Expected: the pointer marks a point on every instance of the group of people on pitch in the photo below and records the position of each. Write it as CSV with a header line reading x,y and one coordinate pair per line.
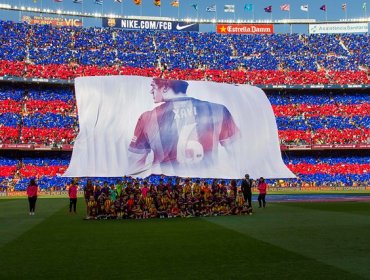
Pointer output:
x,y
135,200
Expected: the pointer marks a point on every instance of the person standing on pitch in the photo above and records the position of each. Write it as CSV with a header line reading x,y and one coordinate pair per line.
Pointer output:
x,y
88,193
72,193
32,195
262,188
246,188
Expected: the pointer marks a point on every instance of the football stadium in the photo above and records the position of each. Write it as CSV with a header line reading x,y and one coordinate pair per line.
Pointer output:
x,y
180,139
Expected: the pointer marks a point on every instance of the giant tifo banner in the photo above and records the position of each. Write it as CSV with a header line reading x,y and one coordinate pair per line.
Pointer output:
x,y
52,21
140,126
150,24
329,28
245,28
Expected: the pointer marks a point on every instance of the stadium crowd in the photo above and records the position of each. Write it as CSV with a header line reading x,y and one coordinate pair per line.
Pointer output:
x,y
37,115
322,118
47,114
43,51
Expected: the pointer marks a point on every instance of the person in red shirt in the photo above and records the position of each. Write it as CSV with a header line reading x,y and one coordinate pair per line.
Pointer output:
x,y
72,193
32,196
262,188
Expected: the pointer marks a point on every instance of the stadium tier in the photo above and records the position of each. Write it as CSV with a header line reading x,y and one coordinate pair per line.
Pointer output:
x,y
326,169
46,114
37,115
67,52
331,171
322,118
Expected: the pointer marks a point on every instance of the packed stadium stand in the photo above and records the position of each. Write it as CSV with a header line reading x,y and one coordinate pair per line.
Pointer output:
x,y
42,115
44,51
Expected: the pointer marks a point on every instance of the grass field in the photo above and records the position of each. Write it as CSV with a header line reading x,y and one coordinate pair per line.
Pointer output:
x,y
283,241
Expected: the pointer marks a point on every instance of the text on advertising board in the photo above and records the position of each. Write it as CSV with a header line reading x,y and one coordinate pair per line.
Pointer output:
x,y
52,21
135,24
245,28
326,28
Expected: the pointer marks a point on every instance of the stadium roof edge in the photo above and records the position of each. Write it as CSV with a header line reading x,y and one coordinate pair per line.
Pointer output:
x,y
202,21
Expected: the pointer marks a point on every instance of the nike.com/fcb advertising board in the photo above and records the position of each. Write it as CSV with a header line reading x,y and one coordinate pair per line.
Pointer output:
x,y
150,24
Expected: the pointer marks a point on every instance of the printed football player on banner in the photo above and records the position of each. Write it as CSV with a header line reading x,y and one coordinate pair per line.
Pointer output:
x,y
138,126
182,132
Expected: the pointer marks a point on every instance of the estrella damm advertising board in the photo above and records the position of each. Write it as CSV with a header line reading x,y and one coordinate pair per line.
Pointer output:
x,y
245,28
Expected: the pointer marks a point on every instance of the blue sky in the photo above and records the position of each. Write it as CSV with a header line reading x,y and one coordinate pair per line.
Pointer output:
x,y
127,7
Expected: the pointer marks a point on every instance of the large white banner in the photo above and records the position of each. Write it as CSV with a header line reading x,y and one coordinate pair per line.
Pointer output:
x,y
140,126
330,28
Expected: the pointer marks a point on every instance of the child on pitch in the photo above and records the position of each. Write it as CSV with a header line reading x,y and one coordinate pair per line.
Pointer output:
x,y
239,203
145,211
165,200
186,188
173,198
197,209
144,189
140,200
224,209
113,194
138,212
162,211
123,208
137,189
105,188
88,192
232,207
168,208
153,211
117,208
130,205
239,199
196,187
119,187
190,211
175,210
182,211
107,206
112,214
247,210
206,191
97,192
149,200
202,209
207,208
100,202
92,208
215,209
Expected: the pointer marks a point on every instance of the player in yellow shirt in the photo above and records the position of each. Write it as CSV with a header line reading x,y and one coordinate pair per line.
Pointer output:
x,y
91,206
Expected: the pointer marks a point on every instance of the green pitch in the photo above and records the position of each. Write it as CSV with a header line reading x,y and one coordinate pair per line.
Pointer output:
x,y
283,241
